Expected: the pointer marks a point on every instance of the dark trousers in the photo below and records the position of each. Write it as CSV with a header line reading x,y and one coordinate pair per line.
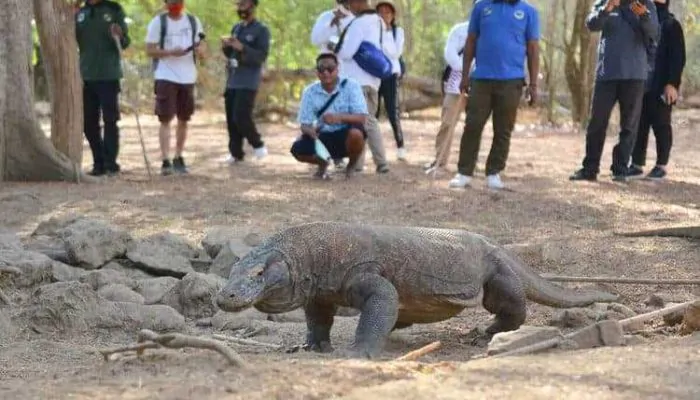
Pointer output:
x,y
656,115
239,105
389,92
486,96
628,93
102,97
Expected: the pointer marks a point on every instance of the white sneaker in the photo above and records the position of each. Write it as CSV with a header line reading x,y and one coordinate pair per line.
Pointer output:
x,y
460,181
494,182
228,160
401,153
260,152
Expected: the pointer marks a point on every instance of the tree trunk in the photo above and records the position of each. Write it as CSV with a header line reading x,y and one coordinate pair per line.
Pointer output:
x,y
26,154
54,20
579,61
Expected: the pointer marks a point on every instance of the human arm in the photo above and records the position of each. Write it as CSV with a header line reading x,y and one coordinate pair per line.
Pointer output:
x,y
323,30
307,115
400,41
152,46
676,56
600,13
470,46
357,106
120,29
532,36
388,42
351,41
453,45
255,56
648,20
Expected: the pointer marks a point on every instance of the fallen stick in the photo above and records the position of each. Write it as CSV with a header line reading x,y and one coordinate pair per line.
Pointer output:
x,y
603,279
641,318
412,355
544,345
176,341
248,342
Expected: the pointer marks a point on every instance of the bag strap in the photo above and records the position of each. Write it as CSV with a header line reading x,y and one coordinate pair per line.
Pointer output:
x,y
193,24
331,99
163,26
337,47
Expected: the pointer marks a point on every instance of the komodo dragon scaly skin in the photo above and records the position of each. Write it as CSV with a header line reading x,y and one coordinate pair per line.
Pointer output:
x,y
395,276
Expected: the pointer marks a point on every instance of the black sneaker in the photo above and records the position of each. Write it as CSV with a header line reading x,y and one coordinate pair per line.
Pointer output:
x,y
382,169
179,165
113,170
656,174
620,178
322,172
339,163
583,175
634,172
166,168
96,171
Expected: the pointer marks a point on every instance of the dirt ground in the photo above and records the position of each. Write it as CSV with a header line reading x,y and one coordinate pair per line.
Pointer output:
x,y
543,207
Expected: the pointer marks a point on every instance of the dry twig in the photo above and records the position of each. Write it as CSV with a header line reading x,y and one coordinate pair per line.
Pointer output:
x,y
248,342
412,355
148,339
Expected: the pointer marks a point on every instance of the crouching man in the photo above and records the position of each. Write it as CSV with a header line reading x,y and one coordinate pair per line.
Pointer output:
x,y
332,110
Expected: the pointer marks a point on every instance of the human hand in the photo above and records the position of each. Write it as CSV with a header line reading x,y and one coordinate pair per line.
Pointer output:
x,y
236,44
464,83
177,52
531,93
337,15
611,4
331,118
671,94
116,30
638,8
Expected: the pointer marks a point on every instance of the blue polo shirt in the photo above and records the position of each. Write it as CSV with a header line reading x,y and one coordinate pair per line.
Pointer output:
x,y
503,30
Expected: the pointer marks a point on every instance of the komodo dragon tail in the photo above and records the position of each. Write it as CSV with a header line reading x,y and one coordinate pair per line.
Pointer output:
x,y
542,291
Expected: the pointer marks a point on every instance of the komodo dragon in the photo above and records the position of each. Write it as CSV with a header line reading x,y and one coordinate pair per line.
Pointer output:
x,y
395,276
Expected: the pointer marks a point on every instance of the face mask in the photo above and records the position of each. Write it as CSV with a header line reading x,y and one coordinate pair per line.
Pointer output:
x,y
175,9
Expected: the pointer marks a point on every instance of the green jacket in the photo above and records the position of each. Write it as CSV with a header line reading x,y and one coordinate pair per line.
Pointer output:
x,y
99,55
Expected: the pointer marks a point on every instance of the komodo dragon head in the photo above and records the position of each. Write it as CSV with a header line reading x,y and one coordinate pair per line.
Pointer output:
x,y
262,279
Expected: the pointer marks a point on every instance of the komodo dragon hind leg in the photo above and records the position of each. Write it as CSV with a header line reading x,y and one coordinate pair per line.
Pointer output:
x,y
319,320
503,296
378,301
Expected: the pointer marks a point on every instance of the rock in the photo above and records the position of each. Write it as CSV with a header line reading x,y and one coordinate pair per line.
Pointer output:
x,y
691,319
603,333
575,317
249,318
51,246
621,309
103,277
162,254
194,295
153,289
121,293
73,307
215,238
229,254
35,268
253,239
524,336
7,328
631,340
92,243
673,318
661,299
655,300
127,270
54,224
9,241
61,272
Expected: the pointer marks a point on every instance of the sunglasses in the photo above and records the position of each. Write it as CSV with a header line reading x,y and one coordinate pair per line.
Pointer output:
x,y
325,68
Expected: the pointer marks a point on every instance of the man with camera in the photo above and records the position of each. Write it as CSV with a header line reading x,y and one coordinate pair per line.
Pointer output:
x,y
246,49
629,31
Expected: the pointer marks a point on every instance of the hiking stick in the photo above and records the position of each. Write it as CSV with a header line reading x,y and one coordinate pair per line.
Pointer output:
x,y
452,117
135,111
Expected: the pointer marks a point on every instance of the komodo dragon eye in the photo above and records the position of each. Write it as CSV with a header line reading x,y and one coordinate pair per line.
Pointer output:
x,y
257,271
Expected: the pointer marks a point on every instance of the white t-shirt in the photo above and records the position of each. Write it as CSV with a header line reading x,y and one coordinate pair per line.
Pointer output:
x,y
178,33
364,28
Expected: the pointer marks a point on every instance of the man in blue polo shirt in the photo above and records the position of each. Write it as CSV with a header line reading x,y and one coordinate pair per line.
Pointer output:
x,y
334,111
502,34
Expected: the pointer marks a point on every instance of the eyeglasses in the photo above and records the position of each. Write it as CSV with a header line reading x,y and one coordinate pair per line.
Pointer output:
x,y
325,68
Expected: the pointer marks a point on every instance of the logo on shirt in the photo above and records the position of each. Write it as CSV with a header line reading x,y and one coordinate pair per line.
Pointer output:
x,y
249,38
519,14
487,11
107,17
81,17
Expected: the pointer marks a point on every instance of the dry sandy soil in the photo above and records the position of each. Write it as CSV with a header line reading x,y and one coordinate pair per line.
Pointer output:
x,y
579,218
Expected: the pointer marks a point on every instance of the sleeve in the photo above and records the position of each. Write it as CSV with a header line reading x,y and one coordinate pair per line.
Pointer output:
x,y
227,50
358,104
676,43
400,41
388,43
256,56
125,40
474,18
452,47
532,31
351,41
153,31
322,29
649,23
597,17
306,115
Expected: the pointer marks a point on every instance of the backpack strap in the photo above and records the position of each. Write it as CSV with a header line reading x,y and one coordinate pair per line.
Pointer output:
x,y
163,27
331,99
193,24
342,35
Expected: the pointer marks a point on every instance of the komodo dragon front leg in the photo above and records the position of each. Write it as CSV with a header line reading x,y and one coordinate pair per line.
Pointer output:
x,y
504,296
319,320
378,301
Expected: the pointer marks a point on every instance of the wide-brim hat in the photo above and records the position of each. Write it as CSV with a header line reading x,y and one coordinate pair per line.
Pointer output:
x,y
386,3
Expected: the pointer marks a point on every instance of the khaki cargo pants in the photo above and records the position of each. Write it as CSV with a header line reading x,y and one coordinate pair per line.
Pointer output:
x,y
443,141
374,135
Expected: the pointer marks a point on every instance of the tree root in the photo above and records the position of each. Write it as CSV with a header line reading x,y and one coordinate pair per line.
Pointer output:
x,y
148,339
412,355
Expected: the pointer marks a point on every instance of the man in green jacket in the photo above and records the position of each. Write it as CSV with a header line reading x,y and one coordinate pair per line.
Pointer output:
x,y
98,22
